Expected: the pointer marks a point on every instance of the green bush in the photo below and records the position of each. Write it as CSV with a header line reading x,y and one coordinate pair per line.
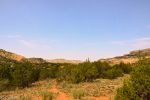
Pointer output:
x,y
47,95
4,83
24,98
5,72
47,71
113,73
83,72
88,71
126,68
44,74
138,86
22,75
35,74
101,68
79,93
64,73
76,75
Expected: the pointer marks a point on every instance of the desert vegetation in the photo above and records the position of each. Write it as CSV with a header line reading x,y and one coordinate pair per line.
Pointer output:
x,y
80,81
137,87
23,74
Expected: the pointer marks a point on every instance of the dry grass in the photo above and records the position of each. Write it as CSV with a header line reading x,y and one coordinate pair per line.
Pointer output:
x,y
46,95
79,93
32,92
100,87
84,91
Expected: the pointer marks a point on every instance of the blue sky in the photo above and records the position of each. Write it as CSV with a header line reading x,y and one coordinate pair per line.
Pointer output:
x,y
74,29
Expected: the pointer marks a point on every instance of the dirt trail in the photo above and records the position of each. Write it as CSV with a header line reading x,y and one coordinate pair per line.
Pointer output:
x,y
102,98
64,96
61,95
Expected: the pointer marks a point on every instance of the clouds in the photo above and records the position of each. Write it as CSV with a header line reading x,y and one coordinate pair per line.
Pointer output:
x,y
10,36
26,42
135,43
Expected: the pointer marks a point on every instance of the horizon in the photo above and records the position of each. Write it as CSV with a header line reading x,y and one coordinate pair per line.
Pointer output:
x,y
74,29
71,59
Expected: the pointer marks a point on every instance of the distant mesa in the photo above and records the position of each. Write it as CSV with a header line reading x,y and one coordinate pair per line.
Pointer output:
x,y
64,61
132,57
10,55
35,60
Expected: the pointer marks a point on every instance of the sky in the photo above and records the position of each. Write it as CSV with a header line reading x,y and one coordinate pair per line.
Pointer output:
x,y
74,29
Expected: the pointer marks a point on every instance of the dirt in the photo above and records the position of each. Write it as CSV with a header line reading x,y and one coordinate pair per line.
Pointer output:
x,y
61,95
64,96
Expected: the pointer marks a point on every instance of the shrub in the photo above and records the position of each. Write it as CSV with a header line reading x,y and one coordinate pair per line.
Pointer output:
x,y
91,72
35,74
46,95
101,68
79,93
138,86
4,83
83,72
22,75
113,73
126,68
44,73
5,72
24,98
88,71
64,73
77,75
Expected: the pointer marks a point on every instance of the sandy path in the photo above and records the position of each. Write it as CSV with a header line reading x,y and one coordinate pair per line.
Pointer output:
x,y
61,95
64,96
102,98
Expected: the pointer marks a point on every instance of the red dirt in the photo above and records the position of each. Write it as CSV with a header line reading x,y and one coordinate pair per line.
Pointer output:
x,y
61,95
102,98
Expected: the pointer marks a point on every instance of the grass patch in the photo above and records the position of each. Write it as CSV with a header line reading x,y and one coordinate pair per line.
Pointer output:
x,y
25,98
47,95
97,88
97,91
79,93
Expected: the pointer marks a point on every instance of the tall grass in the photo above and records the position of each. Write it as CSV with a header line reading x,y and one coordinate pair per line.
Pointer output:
x,y
47,95
79,93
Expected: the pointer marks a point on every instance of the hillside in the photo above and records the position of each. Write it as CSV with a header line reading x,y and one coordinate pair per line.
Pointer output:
x,y
132,57
35,60
144,52
64,61
10,55
7,56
